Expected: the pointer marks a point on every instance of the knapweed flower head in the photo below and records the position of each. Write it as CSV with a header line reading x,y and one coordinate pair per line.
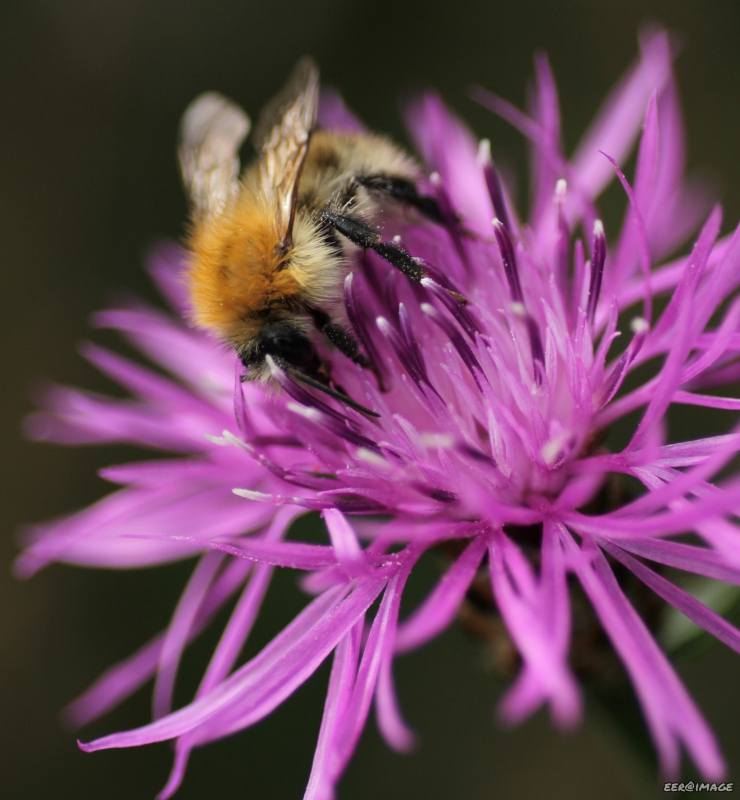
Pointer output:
x,y
489,443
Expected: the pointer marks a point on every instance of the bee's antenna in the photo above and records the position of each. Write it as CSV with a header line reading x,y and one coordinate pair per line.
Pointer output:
x,y
303,378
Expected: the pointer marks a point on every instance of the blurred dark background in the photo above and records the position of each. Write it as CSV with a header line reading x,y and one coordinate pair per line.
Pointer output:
x,y
91,92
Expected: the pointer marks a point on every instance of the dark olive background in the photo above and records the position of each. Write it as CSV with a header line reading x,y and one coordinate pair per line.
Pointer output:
x,y
90,96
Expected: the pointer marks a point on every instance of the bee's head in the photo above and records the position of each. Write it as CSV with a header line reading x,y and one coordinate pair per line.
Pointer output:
x,y
285,344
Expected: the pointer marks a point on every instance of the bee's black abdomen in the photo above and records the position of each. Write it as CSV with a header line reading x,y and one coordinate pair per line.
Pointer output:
x,y
287,344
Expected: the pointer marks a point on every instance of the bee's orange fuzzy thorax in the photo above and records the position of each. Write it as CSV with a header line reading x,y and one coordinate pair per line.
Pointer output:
x,y
237,271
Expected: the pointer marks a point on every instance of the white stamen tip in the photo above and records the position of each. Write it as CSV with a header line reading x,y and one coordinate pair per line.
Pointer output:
x,y
484,151
397,239
250,495
598,228
639,325
369,457
383,325
551,450
561,189
304,411
444,441
518,309
270,361
219,440
435,179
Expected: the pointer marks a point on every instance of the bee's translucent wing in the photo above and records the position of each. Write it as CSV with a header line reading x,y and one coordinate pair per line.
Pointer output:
x,y
282,135
211,133
299,95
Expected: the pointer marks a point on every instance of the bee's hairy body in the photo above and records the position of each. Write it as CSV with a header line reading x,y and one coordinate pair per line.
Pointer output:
x,y
268,249
242,278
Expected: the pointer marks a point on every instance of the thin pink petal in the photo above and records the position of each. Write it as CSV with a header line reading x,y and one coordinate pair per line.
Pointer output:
x,y
618,123
123,679
439,609
697,612
672,716
341,683
178,632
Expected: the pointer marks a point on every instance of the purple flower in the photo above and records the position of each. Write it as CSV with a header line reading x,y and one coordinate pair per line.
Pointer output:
x,y
487,443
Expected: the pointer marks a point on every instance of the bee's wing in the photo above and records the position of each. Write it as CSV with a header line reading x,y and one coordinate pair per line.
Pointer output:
x,y
211,133
281,137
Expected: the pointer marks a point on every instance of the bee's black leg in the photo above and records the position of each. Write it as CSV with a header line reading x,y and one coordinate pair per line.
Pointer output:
x,y
365,236
404,191
341,338
344,341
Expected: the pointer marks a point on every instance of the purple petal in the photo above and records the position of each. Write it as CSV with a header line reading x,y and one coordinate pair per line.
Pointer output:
x,y
546,112
618,123
642,244
450,149
440,608
77,417
293,555
391,724
378,648
333,114
166,265
698,560
708,401
341,683
128,528
230,645
345,543
151,387
671,715
697,612
521,609
692,274
192,357
123,679
494,185
178,632
298,651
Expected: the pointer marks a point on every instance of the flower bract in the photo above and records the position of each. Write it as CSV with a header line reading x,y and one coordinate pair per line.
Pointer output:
x,y
490,445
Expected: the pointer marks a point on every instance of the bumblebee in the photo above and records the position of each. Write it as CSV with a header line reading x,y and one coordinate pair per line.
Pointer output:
x,y
268,248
